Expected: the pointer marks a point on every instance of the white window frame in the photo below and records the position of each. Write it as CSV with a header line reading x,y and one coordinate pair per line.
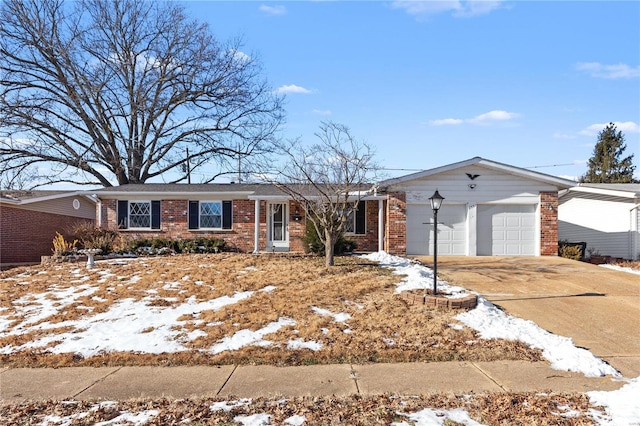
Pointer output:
x,y
200,203
148,202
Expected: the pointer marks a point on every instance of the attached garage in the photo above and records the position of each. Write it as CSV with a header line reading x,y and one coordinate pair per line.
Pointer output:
x,y
489,209
452,229
506,230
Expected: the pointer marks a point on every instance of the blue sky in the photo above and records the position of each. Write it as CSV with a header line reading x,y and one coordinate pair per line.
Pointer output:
x,y
528,83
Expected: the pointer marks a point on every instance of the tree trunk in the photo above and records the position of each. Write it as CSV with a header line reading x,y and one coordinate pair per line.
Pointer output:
x,y
330,242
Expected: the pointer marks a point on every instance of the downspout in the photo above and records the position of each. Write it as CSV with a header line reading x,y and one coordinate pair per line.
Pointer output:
x,y
380,225
98,213
256,228
634,242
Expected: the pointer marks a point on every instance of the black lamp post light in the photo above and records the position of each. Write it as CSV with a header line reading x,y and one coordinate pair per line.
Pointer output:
x,y
436,202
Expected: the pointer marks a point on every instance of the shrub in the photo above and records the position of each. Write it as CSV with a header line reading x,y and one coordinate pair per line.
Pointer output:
x,y
313,244
96,238
144,246
62,247
573,251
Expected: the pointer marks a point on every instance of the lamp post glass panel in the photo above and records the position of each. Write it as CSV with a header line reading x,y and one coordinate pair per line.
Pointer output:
x,y
436,202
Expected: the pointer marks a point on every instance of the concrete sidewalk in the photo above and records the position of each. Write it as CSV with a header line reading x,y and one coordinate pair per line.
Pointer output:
x,y
120,383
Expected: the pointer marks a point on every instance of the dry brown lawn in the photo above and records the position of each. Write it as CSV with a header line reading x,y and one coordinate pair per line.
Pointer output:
x,y
488,409
382,328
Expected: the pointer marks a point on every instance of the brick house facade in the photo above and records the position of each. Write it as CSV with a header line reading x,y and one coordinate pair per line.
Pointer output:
x,y
174,211
489,209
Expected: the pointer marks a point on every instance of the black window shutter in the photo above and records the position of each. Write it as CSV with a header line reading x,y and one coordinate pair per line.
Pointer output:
x,y
361,217
194,214
123,214
155,215
227,215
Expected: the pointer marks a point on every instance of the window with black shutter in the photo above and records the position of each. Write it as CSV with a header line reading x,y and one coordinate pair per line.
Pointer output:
x,y
210,214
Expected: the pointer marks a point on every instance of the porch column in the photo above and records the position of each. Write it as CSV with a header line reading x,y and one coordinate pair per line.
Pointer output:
x,y
256,231
380,225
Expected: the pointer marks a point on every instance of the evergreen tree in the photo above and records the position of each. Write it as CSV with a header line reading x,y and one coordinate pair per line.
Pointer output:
x,y
607,165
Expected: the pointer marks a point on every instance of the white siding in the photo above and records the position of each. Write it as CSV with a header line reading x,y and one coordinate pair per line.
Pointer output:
x,y
491,186
605,223
63,206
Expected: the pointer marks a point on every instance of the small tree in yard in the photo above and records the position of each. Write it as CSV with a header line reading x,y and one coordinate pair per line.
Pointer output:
x,y
328,179
607,164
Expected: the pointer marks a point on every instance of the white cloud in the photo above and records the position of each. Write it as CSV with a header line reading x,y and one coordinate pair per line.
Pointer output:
x,y
240,56
425,8
624,127
446,122
273,10
487,118
492,117
292,88
322,111
614,71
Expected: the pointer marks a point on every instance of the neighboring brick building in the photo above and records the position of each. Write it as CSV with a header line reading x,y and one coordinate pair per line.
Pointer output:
x,y
29,221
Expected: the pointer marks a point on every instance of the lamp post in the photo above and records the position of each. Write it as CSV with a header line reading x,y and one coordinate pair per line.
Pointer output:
x,y
436,203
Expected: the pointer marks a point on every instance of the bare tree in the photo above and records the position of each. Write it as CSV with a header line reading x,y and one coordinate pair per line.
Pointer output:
x,y
97,92
328,179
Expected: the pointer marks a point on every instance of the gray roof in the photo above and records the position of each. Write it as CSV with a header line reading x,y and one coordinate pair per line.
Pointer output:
x,y
24,197
146,188
516,171
20,195
632,189
248,189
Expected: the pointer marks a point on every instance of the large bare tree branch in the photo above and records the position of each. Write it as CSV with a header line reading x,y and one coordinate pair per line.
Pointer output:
x,y
119,89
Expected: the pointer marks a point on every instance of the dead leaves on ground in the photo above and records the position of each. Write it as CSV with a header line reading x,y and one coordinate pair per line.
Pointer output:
x,y
489,409
381,327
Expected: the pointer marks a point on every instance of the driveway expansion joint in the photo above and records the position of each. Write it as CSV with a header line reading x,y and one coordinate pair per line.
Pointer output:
x,y
101,379
235,367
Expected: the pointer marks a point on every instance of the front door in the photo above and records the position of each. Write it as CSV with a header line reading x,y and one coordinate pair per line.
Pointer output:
x,y
278,227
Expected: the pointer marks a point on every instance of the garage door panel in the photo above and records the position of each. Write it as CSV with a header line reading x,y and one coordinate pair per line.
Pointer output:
x,y
506,230
452,231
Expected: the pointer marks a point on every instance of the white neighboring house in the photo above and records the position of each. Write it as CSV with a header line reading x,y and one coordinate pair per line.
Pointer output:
x,y
605,216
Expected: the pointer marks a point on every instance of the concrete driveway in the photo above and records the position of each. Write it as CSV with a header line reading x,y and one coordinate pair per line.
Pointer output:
x,y
598,307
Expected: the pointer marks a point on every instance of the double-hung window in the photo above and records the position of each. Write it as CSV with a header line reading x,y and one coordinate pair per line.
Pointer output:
x,y
138,214
210,214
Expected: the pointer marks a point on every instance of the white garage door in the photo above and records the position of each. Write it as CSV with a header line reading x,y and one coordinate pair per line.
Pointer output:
x,y
506,230
452,229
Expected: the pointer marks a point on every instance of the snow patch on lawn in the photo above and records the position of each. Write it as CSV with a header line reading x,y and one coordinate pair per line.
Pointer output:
x,y
418,277
429,417
492,323
244,338
301,344
621,268
341,317
128,325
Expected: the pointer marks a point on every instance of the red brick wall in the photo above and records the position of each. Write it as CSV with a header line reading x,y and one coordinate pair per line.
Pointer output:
x,y
548,223
174,225
25,235
368,241
396,230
